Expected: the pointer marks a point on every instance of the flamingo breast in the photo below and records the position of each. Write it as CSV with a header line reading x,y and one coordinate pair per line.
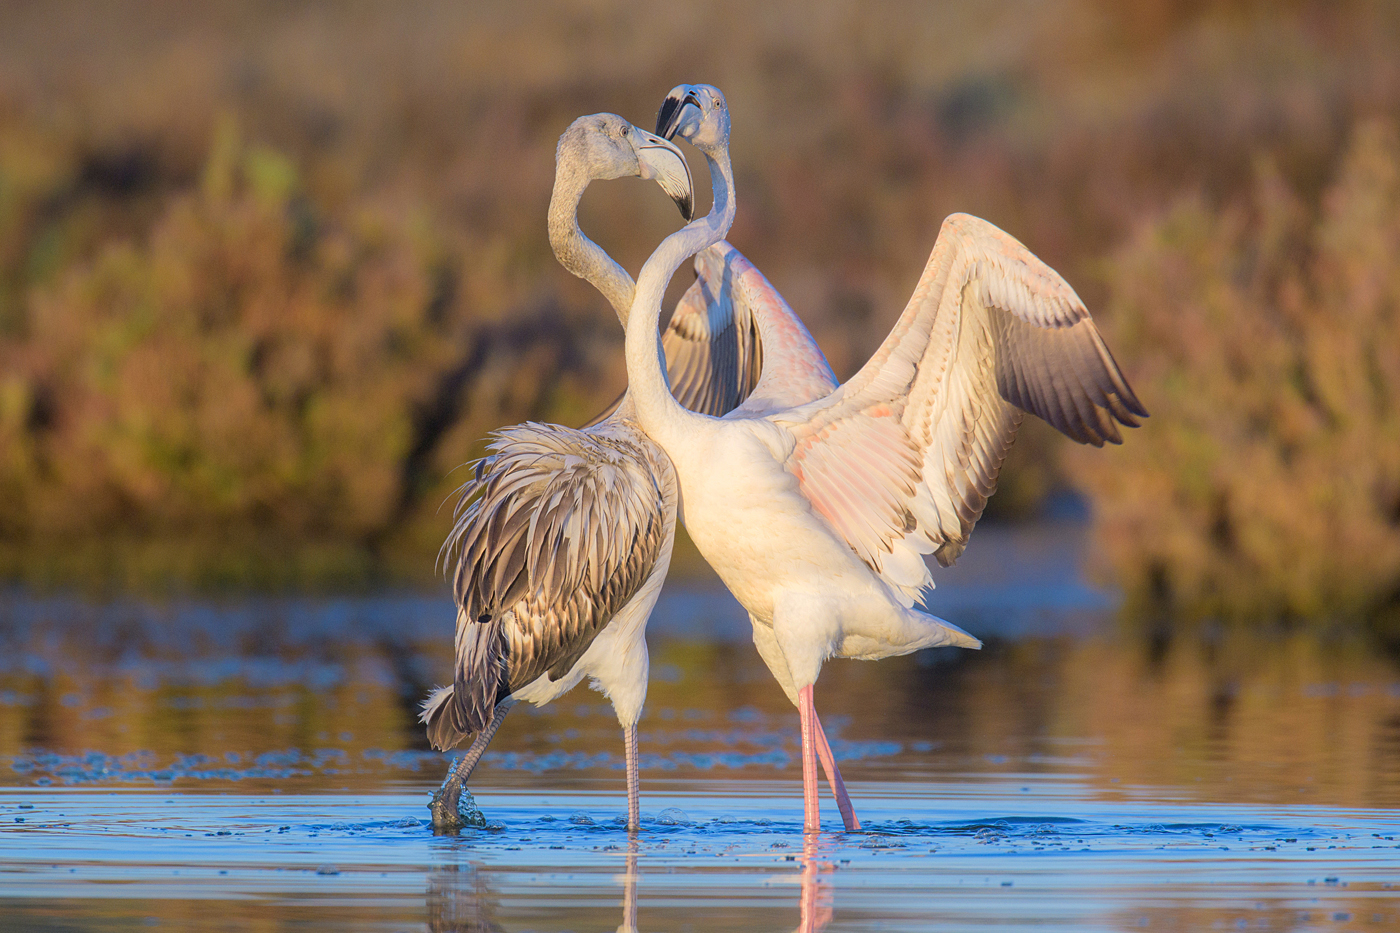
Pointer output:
x,y
750,521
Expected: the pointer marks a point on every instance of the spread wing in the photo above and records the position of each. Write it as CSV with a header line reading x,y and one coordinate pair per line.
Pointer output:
x,y
556,531
713,351
714,354
792,369
900,460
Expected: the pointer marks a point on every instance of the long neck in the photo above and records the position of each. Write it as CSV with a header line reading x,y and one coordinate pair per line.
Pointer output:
x,y
658,412
578,253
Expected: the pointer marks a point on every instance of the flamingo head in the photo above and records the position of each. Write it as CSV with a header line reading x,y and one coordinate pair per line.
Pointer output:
x,y
605,146
696,113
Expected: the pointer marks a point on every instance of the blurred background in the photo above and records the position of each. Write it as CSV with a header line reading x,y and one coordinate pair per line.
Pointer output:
x,y
269,271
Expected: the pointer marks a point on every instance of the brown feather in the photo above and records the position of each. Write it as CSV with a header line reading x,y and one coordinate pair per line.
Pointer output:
x,y
534,581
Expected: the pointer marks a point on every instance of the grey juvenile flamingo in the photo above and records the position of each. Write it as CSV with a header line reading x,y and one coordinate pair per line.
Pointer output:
x,y
561,546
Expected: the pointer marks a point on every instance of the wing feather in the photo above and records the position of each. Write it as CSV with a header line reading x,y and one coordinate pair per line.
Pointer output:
x,y
716,359
712,346
557,530
990,332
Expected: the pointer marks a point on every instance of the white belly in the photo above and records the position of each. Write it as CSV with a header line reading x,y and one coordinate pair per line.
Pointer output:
x,y
749,520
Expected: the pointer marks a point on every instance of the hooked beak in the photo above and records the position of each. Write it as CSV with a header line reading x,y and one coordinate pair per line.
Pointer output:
x,y
673,110
663,163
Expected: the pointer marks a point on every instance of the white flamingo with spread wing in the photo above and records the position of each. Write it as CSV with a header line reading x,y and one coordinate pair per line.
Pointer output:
x,y
818,516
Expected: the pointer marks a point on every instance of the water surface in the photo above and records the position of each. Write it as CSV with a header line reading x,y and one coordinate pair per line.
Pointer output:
x,y
254,764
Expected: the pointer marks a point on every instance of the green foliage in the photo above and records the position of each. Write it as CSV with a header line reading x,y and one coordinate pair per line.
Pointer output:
x,y
1265,338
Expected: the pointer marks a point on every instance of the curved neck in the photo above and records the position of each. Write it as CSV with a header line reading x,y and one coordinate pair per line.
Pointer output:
x,y
658,412
575,251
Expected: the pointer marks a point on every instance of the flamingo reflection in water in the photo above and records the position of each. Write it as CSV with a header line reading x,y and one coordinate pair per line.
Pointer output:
x,y
814,906
459,901
814,899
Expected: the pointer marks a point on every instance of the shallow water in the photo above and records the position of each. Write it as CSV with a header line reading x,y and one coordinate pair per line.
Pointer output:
x,y
253,764
718,855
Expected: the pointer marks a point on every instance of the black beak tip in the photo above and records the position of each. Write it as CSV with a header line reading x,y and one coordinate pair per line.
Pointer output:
x,y
666,117
687,206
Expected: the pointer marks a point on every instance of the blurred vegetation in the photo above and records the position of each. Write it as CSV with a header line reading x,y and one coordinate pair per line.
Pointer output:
x,y
1269,335
269,271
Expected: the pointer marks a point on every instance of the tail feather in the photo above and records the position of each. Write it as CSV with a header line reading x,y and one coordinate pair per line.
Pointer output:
x,y
440,716
941,632
453,713
480,679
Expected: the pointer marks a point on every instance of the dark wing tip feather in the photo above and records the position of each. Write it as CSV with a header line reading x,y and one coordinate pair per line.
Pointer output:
x,y
480,672
1066,377
1126,396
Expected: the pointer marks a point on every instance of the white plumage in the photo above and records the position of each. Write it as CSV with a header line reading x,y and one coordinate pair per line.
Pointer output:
x,y
817,516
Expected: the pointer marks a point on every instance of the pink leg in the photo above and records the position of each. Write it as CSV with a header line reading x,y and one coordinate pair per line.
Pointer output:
x,y
833,777
811,818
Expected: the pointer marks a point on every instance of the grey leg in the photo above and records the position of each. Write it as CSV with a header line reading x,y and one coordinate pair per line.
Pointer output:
x,y
634,779
446,817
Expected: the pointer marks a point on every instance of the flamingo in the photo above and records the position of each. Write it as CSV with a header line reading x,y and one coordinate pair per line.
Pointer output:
x,y
563,536
817,516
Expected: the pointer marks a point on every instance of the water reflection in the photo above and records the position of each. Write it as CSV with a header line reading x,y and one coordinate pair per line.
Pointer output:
x,y
629,889
459,900
814,904
168,700
1179,784
980,855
